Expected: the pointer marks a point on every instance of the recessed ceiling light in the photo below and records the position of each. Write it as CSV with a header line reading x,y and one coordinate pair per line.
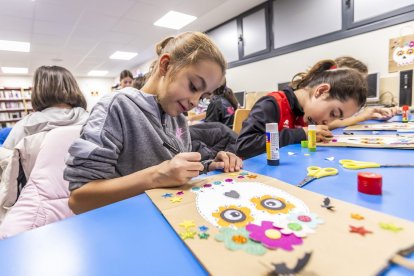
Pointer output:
x,y
123,55
15,46
14,70
97,73
175,20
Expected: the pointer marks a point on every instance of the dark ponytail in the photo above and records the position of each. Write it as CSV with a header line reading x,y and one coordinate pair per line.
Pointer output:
x,y
345,83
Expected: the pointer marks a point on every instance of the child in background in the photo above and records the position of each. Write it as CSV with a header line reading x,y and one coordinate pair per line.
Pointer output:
x,y
56,100
321,95
125,79
367,113
222,106
139,140
139,82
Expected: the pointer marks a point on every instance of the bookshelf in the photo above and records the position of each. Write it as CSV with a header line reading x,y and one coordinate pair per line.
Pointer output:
x,y
15,103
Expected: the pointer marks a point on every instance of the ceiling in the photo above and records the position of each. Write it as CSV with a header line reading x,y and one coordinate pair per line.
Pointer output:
x,y
80,35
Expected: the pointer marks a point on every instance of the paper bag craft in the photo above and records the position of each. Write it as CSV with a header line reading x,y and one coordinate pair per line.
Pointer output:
x,y
400,55
382,126
249,224
405,141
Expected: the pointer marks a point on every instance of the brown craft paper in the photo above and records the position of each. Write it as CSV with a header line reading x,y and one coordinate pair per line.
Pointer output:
x,y
335,251
382,126
336,142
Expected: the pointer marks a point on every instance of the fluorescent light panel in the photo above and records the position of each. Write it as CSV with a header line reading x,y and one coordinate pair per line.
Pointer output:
x,y
14,70
123,55
97,73
15,46
175,20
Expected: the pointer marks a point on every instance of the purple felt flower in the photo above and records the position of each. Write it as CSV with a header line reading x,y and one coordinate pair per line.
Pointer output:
x,y
271,237
411,44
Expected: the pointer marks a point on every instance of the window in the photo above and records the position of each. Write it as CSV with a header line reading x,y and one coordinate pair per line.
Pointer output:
x,y
226,37
299,20
254,33
278,27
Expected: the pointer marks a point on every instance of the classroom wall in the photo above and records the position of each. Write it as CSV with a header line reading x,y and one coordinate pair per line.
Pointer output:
x,y
371,48
87,86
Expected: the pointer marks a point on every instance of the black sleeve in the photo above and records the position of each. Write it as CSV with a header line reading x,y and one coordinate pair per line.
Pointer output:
x,y
214,112
252,139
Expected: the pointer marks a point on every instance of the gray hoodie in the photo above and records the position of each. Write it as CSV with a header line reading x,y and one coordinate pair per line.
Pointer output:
x,y
124,134
45,120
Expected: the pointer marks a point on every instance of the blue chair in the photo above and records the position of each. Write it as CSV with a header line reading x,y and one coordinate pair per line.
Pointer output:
x,y
4,132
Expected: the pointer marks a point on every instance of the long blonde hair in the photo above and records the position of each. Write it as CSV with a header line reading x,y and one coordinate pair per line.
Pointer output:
x,y
188,49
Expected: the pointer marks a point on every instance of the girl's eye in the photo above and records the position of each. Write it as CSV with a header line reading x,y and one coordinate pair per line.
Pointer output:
x,y
192,87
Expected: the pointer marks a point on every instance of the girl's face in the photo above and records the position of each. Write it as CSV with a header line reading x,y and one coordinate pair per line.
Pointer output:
x,y
126,82
320,110
182,91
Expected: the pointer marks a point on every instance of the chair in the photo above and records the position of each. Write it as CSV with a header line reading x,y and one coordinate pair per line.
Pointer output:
x,y
239,116
253,97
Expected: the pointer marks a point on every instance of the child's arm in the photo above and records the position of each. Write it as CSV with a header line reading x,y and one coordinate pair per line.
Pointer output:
x,y
369,113
252,139
98,193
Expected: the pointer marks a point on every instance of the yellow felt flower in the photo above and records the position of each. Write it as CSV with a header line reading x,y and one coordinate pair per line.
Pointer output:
x,y
272,205
233,215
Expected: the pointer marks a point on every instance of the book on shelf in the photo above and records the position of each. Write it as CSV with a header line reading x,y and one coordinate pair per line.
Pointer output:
x,y
15,103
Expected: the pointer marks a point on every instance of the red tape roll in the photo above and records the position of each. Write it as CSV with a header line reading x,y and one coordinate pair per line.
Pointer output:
x,y
370,183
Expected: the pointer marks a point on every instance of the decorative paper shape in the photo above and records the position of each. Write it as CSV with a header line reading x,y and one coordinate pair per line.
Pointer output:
x,y
359,230
282,269
232,194
390,227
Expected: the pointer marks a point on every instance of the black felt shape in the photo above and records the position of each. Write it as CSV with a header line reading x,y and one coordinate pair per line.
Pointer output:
x,y
327,204
282,269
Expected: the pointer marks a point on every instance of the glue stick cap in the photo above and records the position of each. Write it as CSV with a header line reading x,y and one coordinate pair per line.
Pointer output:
x,y
405,107
311,127
272,127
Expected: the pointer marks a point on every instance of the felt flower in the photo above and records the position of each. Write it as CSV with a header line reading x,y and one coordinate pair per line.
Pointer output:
x,y
233,215
271,237
272,205
238,239
300,224
310,220
411,44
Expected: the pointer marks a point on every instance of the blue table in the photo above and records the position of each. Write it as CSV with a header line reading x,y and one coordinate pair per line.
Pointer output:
x,y
133,238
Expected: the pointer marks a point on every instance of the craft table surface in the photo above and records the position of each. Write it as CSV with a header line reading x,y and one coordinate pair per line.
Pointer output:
x,y
133,238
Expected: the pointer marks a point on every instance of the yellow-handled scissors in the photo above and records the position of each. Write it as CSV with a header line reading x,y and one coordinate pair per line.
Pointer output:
x,y
355,165
317,172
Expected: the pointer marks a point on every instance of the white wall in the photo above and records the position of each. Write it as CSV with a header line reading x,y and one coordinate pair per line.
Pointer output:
x,y
371,48
87,85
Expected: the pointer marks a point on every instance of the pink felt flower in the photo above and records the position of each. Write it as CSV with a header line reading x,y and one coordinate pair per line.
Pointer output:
x,y
411,44
271,237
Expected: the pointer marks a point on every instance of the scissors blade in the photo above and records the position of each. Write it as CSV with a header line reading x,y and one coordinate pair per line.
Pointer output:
x,y
397,165
305,181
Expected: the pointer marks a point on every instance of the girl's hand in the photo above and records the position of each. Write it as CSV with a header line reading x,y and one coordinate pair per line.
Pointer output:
x,y
179,170
323,134
226,161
